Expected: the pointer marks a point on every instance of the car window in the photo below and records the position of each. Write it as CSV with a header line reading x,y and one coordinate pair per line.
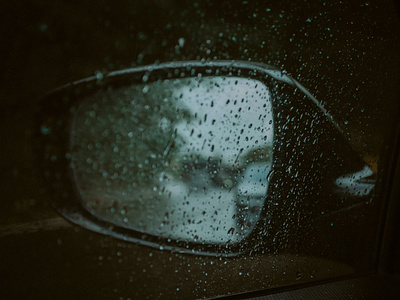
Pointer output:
x,y
306,203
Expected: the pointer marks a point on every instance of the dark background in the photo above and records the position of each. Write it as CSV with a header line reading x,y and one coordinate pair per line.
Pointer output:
x,y
346,54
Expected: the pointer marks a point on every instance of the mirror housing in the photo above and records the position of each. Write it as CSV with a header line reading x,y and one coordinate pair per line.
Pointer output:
x,y
310,156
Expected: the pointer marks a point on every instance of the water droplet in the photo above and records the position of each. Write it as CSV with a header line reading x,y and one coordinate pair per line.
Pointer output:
x,y
45,130
145,89
298,275
181,42
99,75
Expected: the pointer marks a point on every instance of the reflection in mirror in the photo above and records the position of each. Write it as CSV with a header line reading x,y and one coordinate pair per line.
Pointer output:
x,y
185,159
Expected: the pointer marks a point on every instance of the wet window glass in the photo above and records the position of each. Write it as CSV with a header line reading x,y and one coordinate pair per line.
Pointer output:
x,y
195,149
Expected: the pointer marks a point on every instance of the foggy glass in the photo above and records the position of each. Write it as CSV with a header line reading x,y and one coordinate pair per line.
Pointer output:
x,y
186,159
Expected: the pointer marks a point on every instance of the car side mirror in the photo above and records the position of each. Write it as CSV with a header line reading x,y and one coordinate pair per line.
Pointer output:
x,y
191,157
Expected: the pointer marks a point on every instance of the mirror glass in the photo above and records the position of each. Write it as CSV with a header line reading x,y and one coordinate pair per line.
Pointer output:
x,y
187,159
